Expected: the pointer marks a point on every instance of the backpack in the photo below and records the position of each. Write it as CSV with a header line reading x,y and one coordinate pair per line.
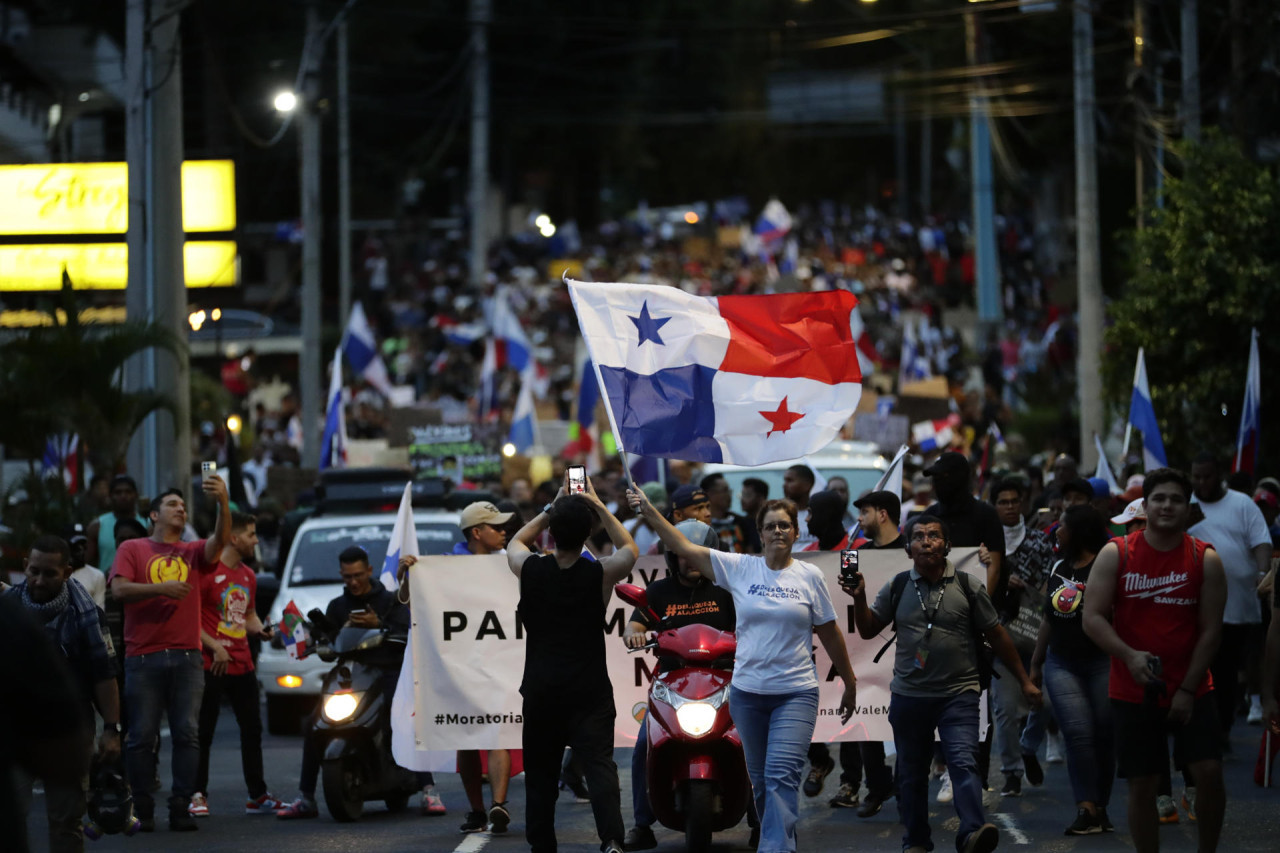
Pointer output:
x,y
986,654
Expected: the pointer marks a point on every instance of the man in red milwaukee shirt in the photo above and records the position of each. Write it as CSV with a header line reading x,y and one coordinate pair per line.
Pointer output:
x,y
228,596
1155,605
158,581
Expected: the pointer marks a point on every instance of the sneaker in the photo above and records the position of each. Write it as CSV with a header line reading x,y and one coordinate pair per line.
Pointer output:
x,y
1084,824
817,775
266,804
199,805
984,839
300,808
1104,821
1031,766
872,804
1012,785
499,817
1189,802
845,798
1167,809
181,821
1255,712
1054,752
612,847
476,822
639,838
432,805
945,794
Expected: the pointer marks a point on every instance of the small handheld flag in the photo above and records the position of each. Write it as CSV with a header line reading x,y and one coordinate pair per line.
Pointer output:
x,y
293,630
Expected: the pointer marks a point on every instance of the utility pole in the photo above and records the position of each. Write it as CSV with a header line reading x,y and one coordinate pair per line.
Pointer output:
x,y
479,194
1139,87
1088,264
990,305
311,403
1190,72
160,453
344,179
926,147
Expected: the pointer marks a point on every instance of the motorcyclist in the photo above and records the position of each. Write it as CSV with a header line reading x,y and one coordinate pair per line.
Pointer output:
x,y
682,598
364,603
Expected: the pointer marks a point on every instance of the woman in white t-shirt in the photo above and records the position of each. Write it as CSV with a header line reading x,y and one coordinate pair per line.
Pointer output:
x,y
780,604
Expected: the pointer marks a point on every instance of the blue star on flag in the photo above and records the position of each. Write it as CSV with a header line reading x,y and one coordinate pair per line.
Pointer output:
x,y
647,327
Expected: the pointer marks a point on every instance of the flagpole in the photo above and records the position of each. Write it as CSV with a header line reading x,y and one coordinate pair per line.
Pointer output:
x,y
613,424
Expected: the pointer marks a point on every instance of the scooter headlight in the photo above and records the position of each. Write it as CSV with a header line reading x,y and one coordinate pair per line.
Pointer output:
x,y
696,718
340,706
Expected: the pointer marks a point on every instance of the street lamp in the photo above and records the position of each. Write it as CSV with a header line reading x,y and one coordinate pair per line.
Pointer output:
x,y
285,102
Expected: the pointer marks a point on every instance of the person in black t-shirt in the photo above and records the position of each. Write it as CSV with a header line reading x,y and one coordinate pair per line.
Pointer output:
x,y
682,598
568,699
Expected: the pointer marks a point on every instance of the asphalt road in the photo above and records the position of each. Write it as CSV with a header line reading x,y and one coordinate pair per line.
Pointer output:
x,y
1034,821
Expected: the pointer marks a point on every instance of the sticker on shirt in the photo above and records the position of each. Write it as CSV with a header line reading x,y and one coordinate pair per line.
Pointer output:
x,y
233,606
167,567
766,590
1065,600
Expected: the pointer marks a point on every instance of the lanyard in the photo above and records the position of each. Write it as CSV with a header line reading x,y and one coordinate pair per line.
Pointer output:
x,y
929,617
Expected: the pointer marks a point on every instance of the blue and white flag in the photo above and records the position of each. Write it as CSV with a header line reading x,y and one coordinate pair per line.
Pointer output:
x,y
1142,417
404,539
489,379
774,222
1103,468
1249,437
507,329
361,350
523,427
333,447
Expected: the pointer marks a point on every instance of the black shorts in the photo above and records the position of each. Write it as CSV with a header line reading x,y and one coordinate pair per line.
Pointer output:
x,y
1142,737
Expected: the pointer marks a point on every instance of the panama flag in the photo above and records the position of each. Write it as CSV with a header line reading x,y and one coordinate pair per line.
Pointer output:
x,y
868,358
1250,414
1142,417
934,435
333,446
774,222
509,332
361,350
737,379
404,539
293,630
522,419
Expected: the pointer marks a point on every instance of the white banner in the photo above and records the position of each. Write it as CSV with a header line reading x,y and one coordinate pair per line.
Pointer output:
x,y
468,652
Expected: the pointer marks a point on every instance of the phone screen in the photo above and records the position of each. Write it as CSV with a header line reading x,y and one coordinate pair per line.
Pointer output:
x,y
849,562
577,479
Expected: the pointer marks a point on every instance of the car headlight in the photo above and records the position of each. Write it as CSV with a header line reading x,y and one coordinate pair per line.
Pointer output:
x,y
340,706
696,718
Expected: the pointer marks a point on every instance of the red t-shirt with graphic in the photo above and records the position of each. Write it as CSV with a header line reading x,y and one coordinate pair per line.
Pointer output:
x,y
227,596
159,623
1157,610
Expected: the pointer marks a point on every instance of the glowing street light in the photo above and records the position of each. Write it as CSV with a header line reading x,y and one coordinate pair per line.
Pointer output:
x,y
691,217
508,449
285,102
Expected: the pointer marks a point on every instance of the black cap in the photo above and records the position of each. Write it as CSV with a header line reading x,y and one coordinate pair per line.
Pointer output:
x,y
949,463
1081,485
887,501
687,496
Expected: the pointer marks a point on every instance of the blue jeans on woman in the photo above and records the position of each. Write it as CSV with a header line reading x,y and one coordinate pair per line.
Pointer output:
x,y
1078,691
776,730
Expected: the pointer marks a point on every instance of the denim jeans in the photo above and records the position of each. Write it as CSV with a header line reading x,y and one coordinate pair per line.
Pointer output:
x,y
1078,690
956,718
776,730
640,778
1012,737
169,682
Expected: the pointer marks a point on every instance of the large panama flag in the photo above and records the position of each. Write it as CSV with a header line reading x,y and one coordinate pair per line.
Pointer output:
x,y
737,379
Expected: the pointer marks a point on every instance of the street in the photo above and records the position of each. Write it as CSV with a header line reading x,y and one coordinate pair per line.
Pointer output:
x,y
1035,821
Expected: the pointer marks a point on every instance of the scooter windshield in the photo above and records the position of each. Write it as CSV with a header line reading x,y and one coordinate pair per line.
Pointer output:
x,y
352,639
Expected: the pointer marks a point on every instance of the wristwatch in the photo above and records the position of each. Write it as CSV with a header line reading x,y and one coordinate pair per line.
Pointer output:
x,y
546,510
113,727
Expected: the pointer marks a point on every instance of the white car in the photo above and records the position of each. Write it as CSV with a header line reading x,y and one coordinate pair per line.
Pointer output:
x,y
859,462
310,580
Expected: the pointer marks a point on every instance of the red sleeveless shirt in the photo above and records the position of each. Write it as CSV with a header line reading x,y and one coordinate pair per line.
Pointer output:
x,y
1157,610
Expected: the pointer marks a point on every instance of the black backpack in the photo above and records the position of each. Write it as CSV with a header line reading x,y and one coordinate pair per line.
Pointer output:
x,y
986,654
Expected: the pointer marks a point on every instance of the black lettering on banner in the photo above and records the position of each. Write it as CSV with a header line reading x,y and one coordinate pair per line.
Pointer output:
x,y
616,622
644,675
490,625
454,621
831,673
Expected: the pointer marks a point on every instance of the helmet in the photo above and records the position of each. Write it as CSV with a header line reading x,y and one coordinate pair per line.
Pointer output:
x,y
110,803
696,532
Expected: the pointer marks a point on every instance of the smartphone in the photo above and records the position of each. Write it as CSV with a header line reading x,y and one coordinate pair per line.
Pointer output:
x,y
849,567
208,469
577,479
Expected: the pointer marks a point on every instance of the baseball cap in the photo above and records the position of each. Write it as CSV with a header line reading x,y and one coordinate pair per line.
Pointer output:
x,y
1262,496
655,492
482,512
949,463
687,496
1100,487
887,501
1132,512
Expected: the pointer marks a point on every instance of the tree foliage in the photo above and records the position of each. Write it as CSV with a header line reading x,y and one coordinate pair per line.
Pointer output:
x,y
1206,270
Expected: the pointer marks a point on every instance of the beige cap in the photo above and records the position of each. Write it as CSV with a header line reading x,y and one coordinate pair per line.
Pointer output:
x,y
1132,512
483,512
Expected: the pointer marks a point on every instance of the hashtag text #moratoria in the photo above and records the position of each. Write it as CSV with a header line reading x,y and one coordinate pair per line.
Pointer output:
x,y
477,719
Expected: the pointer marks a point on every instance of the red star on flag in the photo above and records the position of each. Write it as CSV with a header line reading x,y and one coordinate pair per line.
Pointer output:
x,y
781,419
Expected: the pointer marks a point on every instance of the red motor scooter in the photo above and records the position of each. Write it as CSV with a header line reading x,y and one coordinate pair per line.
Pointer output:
x,y
697,774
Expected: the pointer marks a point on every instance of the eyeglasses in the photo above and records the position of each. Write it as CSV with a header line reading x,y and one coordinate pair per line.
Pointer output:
x,y
782,526
927,535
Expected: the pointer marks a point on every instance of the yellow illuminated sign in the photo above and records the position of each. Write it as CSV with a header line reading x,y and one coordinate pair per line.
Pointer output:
x,y
27,318
105,266
93,198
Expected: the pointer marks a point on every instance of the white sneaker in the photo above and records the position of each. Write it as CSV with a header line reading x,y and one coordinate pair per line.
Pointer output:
x,y
945,794
199,806
1054,751
1255,711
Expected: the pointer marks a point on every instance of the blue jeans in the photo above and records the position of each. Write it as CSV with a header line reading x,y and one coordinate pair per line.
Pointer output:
x,y
776,730
172,682
956,718
640,778
1078,690
1012,738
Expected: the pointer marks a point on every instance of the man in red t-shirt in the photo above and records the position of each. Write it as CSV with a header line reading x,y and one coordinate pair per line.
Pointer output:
x,y
1155,605
228,618
157,581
